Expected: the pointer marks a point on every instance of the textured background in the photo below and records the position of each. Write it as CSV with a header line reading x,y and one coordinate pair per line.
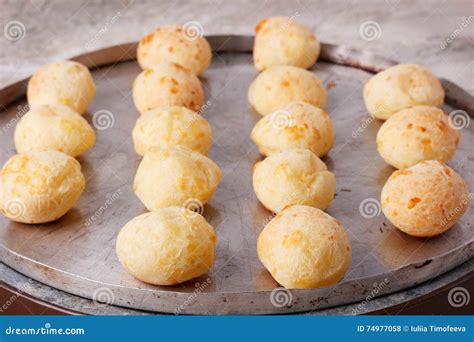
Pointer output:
x,y
439,34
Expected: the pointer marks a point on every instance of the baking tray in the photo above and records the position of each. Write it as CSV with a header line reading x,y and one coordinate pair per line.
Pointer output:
x,y
77,253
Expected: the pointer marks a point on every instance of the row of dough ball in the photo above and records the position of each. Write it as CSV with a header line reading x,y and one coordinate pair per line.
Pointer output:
x,y
172,243
302,247
58,95
425,197
407,95
172,57
43,181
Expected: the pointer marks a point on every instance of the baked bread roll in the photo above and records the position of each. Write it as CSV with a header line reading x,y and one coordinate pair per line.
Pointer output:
x,y
284,41
167,246
40,187
400,87
174,44
426,199
167,85
291,177
304,248
66,82
277,86
295,125
166,126
417,134
53,127
175,176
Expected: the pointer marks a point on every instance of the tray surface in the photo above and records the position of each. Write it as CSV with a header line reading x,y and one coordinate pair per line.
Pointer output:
x,y
77,252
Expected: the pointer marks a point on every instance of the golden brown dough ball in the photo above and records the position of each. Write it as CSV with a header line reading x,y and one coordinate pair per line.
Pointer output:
x,y
400,87
68,83
39,187
174,44
175,176
54,127
304,248
172,126
280,85
284,41
167,85
167,246
295,125
417,134
291,177
426,199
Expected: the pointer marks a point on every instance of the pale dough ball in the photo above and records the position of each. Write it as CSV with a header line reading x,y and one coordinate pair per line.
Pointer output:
x,y
303,248
417,134
426,199
292,177
39,187
296,125
400,87
284,41
68,83
174,44
167,246
175,176
280,85
166,126
53,127
167,85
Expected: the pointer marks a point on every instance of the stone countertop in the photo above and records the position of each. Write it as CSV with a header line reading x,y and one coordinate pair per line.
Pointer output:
x,y
438,34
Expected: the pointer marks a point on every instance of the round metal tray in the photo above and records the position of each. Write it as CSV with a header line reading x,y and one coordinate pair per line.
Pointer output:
x,y
77,253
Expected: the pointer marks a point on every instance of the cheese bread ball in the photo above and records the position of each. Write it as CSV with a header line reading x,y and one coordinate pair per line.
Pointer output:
x,y
295,125
304,248
294,176
426,199
284,41
167,246
280,85
174,44
417,134
39,187
166,85
166,126
68,83
400,87
174,176
53,127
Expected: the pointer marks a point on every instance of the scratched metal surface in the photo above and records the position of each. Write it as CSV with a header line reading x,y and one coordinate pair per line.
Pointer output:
x,y
76,254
